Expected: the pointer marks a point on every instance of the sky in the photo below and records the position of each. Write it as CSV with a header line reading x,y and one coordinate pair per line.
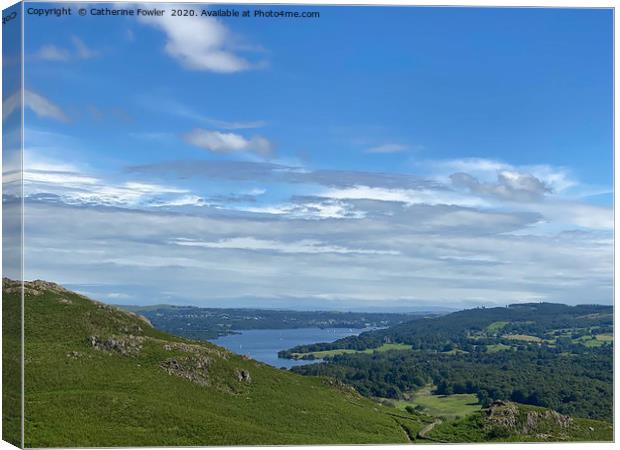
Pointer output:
x,y
373,158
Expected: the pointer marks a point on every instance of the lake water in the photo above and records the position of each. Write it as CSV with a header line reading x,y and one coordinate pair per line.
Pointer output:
x,y
264,345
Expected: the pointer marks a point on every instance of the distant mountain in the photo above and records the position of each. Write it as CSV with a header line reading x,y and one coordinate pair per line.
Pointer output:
x,y
207,323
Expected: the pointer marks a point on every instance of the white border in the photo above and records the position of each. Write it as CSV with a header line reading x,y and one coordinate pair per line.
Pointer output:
x,y
470,3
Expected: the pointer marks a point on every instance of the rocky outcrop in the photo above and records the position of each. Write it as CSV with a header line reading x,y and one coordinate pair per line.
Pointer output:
x,y
244,376
194,348
535,419
506,418
126,346
503,415
34,288
194,368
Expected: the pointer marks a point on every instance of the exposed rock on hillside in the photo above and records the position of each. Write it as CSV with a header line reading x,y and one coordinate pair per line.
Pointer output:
x,y
503,418
193,368
127,345
244,376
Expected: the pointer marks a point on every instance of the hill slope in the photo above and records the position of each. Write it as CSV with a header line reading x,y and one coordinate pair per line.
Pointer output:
x,y
99,376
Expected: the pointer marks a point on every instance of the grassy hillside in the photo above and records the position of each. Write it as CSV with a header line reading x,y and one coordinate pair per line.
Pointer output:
x,y
11,366
99,376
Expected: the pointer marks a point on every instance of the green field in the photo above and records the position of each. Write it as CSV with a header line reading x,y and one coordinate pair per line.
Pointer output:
x,y
454,351
448,406
522,337
496,326
595,341
342,351
497,348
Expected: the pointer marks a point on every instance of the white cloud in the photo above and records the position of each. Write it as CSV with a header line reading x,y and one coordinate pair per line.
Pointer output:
x,y
219,142
72,186
557,179
185,200
318,209
388,148
510,185
199,43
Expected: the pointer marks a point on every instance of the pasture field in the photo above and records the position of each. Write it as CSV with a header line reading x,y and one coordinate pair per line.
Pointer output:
x,y
447,406
342,351
522,337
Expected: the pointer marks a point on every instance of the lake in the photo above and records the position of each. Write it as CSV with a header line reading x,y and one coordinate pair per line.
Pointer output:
x,y
264,345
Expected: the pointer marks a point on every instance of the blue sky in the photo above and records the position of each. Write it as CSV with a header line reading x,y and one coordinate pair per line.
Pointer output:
x,y
373,157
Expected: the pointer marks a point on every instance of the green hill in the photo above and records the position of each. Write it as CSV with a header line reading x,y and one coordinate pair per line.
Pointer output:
x,y
99,376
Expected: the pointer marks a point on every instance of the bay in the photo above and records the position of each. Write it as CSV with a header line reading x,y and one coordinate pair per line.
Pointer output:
x,y
264,345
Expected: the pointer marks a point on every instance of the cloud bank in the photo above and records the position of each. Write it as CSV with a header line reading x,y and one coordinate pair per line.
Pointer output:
x,y
352,240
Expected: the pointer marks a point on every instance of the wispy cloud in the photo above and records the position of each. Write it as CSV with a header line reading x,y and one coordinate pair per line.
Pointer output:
x,y
51,52
43,107
310,208
407,196
82,51
68,183
10,104
176,108
303,246
235,125
40,105
79,51
388,148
